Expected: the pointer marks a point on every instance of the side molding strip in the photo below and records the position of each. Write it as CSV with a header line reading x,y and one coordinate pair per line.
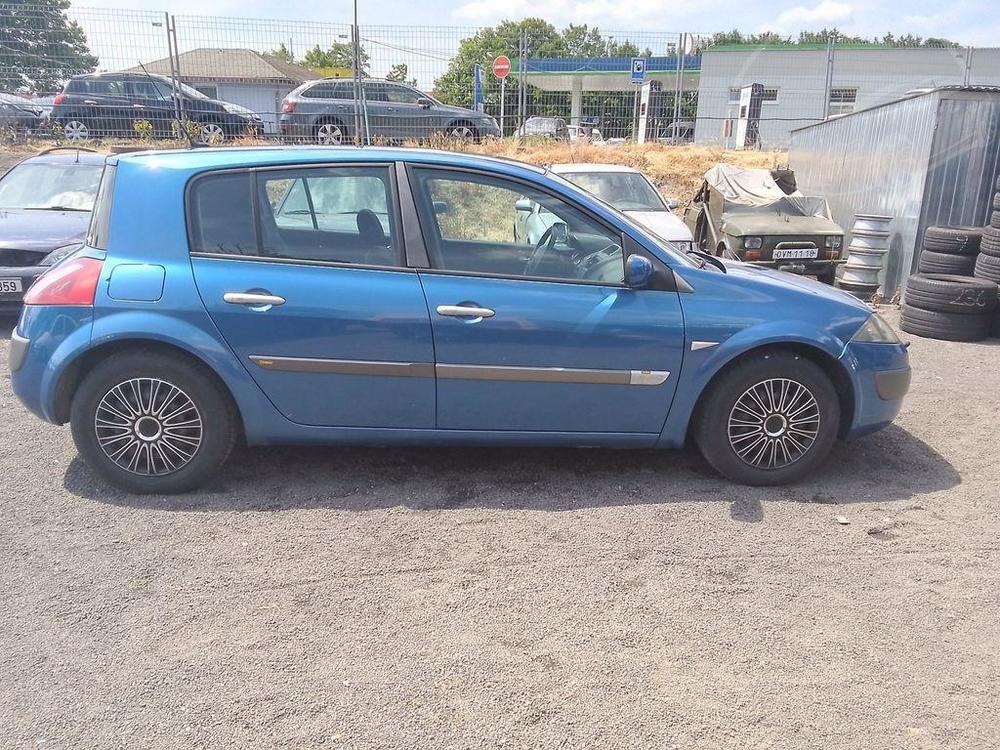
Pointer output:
x,y
345,366
461,372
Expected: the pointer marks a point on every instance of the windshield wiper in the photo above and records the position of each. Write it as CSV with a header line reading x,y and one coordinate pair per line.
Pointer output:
x,y
705,259
57,208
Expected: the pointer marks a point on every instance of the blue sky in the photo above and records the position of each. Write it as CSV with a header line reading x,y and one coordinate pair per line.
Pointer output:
x,y
968,21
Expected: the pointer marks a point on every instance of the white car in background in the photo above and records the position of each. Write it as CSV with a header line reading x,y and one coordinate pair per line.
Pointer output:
x,y
582,134
625,188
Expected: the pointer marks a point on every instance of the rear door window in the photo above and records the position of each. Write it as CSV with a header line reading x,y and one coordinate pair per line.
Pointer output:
x,y
221,215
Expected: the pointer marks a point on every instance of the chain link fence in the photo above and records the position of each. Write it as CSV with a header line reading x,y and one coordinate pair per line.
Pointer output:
x,y
100,72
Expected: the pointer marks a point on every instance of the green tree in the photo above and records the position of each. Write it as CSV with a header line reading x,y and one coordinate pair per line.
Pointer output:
x,y
400,74
337,55
282,53
39,46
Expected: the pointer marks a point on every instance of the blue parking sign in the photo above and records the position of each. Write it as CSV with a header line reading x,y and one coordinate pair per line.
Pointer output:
x,y
638,69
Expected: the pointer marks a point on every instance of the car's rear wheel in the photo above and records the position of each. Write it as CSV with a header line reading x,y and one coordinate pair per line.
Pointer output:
x,y
149,423
75,130
770,419
331,134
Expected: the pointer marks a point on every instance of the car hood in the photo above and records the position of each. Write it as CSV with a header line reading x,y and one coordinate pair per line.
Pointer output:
x,y
768,224
755,274
23,229
451,110
662,223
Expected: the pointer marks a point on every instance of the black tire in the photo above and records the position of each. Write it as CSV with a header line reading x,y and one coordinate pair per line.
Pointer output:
x,y
988,267
995,219
947,326
953,240
996,202
214,410
990,244
716,436
325,132
463,130
953,294
958,265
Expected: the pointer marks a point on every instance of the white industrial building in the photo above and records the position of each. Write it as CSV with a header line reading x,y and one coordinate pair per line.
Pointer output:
x,y
806,84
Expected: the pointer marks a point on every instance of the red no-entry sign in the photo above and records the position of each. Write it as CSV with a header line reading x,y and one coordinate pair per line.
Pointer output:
x,y
501,66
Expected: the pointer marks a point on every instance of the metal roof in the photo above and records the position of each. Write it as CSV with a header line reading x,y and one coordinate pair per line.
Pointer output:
x,y
208,64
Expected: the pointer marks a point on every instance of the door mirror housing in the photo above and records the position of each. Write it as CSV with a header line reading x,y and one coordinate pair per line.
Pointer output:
x,y
560,233
673,203
638,271
424,103
441,207
523,204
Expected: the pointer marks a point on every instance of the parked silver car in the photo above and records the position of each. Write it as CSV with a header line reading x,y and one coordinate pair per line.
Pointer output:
x,y
323,112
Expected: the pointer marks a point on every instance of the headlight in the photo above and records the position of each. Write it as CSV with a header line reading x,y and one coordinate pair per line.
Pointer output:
x,y
833,241
876,331
753,243
60,254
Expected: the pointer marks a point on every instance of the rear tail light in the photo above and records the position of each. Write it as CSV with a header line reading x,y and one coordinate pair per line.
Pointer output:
x,y
59,99
287,106
751,255
71,283
832,254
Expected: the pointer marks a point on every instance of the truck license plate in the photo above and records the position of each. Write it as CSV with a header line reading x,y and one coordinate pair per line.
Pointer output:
x,y
795,253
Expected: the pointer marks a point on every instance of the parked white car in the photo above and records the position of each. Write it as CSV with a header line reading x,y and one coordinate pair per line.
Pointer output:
x,y
627,189
581,134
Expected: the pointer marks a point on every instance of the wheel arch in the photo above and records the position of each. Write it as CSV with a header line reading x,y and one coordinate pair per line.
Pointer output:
x,y
830,365
76,370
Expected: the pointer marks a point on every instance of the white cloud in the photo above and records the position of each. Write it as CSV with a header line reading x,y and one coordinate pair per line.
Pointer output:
x,y
826,13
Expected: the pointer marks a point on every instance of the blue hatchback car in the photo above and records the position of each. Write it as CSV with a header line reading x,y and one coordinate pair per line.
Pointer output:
x,y
378,296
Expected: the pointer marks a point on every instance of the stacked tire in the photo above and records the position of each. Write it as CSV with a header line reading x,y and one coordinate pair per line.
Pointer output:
x,y
988,261
949,307
950,250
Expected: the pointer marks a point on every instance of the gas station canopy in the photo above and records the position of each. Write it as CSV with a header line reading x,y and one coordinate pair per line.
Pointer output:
x,y
579,74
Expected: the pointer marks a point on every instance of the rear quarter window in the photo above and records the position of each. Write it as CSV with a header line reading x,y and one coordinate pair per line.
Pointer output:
x,y
100,219
221,216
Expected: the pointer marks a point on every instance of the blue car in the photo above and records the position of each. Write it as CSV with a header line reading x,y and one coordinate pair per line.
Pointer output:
x,y
45,203
378,296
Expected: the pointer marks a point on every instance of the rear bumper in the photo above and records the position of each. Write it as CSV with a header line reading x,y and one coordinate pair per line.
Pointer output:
x,y
881,376
12,301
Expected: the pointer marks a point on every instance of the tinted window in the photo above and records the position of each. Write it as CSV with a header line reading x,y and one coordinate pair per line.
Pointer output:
x,y
484,224
401,95
149,89
100,219
375,92
98,86
338,215
337,90
222,215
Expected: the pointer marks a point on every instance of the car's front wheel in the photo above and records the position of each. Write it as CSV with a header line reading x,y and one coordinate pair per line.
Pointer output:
x,y
75,130
151,423
770,419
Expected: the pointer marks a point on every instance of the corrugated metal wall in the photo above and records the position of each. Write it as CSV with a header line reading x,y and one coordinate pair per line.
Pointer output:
x,y
873,161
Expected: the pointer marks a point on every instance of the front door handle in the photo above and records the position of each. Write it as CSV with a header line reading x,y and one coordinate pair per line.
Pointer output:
x,y
251,298
464,311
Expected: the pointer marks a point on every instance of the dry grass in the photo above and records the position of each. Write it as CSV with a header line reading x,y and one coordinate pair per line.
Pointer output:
x,y
676,170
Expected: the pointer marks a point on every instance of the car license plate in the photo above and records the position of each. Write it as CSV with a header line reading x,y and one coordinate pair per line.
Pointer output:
x,y
10,286
795,253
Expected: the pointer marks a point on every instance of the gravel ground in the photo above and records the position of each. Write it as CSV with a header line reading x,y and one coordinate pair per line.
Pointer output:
x,y
513,598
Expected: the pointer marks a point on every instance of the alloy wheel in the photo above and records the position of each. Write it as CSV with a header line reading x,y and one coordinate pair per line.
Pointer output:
x,y
462,133
330,134
212,132
774,423
148,426
75,130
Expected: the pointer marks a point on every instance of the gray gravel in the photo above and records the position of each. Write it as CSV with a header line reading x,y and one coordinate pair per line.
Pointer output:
x,y
515,598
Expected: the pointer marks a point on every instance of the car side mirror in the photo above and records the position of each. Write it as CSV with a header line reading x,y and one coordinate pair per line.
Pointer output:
x,y
560,233
523,204
638,272
441,207
673,203
424,103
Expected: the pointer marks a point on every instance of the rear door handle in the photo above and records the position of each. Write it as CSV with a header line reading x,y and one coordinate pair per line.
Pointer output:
x,y
250,298
464,311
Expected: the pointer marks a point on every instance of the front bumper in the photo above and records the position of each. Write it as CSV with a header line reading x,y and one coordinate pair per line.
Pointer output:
x,y
881,378
11,301
801,267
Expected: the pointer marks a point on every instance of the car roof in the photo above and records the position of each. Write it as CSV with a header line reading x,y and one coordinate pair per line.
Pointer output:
x,y
66,156
202,159
588,167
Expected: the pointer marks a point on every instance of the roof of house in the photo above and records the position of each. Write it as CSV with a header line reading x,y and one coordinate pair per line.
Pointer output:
x,y
225,64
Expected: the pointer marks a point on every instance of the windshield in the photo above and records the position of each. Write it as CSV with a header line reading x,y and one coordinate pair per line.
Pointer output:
x,y
541,125
51,186
626,191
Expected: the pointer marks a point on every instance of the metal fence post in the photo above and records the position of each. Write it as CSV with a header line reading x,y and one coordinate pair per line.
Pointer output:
x,y
829,77
175,67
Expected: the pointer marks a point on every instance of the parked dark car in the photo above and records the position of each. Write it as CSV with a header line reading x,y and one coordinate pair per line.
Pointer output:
x,y
20,115
545,127
45,205
110,104
323,112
